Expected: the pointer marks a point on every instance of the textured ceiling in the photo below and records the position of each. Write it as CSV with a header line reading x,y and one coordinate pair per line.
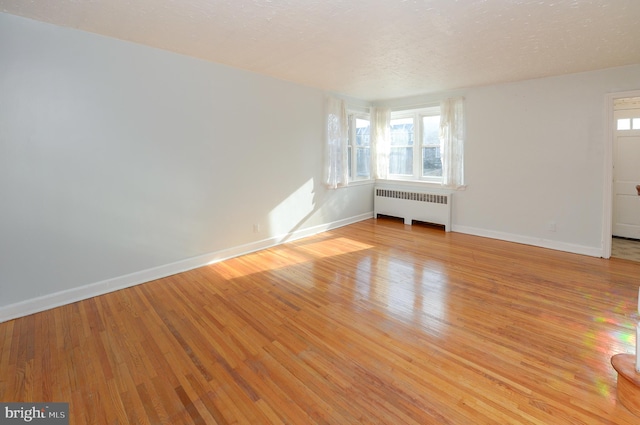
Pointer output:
x,y
370,49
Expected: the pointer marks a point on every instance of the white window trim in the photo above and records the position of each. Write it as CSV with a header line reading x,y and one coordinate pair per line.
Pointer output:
x,y
352,116
415,184
416,114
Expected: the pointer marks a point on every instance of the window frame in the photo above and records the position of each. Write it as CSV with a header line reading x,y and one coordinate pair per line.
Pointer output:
x,y
417,115
352,156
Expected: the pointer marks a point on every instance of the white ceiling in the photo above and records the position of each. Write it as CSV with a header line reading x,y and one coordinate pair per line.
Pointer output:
x,y
370,49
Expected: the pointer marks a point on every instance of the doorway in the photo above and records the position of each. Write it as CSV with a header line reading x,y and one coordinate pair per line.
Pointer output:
x,y
622,217
627,249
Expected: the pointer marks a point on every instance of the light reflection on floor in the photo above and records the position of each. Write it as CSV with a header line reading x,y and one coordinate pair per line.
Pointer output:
x,y
415,293
460,303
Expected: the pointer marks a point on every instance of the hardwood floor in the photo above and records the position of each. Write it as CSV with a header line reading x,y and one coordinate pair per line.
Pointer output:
x,y
375,322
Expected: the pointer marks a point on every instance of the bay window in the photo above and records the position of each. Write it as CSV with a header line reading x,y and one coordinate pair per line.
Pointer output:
x,y
425,144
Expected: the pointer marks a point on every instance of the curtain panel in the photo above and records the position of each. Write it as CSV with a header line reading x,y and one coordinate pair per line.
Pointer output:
x,y
336,160
381,138
452,134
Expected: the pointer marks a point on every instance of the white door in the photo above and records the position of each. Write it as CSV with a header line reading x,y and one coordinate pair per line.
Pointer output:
x,y
626,173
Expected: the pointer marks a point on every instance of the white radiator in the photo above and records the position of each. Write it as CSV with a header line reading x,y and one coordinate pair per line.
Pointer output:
x,y
413,205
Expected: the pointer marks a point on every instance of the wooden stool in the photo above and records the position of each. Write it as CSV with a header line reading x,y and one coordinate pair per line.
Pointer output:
x,y
628,381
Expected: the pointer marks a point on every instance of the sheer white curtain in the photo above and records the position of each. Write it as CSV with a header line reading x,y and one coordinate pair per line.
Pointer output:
x,y
381,137
336,160
452,134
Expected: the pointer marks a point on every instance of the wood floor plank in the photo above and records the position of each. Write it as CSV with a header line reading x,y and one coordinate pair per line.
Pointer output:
x,y
375,322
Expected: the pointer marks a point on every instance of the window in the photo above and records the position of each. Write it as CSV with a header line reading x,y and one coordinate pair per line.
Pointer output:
x,y
425,144
431,160
628,124
359,147
415,152
402,144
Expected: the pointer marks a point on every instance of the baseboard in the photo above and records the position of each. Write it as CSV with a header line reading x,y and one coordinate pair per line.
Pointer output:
x,y
526,240
57,299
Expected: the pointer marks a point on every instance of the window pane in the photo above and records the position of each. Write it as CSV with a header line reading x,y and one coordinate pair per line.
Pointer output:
x,y
363,131
431,130
402,132
431,162
401,161
624,124
636,123
363,162
362,142
349,145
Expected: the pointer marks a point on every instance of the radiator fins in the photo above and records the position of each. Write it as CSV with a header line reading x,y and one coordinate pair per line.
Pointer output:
x,y
413,196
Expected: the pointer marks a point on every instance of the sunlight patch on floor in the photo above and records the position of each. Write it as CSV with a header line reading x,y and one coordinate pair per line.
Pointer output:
x,y
287,256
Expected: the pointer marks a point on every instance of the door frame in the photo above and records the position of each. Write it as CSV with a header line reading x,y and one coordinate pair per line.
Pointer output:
x,y
607,211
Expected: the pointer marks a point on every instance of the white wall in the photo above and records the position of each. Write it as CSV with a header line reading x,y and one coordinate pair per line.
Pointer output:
x,y
121,163
535,157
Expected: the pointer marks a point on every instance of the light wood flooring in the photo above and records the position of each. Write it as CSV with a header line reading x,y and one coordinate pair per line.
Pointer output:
x,y
376,322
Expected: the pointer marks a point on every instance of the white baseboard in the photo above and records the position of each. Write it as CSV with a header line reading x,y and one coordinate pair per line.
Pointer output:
x,y
526,240
56,299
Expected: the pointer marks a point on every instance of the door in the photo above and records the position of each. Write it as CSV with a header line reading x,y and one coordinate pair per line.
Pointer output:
x,y
626,169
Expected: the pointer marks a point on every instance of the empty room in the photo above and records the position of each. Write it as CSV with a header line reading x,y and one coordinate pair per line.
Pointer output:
x,y
319,212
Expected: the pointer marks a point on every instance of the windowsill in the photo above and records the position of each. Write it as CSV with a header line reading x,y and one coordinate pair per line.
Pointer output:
x,y
406,183
418,183
361,182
